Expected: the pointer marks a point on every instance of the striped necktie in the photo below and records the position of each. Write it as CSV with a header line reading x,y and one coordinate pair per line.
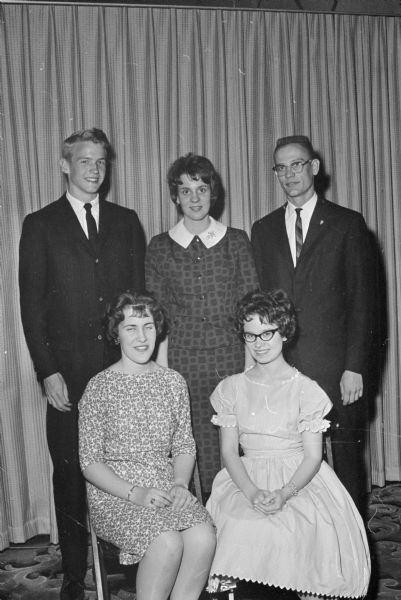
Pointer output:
x,y
299,240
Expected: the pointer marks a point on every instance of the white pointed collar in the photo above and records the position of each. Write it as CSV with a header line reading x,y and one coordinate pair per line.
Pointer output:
x,y
79,204
209,237
307,208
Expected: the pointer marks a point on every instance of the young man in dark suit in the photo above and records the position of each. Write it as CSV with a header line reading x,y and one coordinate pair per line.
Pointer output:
x,y
318,252
75,255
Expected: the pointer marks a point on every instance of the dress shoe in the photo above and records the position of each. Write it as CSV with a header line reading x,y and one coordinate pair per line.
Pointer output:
x,y
72,589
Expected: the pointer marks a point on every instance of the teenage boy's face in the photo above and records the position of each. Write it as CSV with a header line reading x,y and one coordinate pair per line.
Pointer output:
x,y
85,170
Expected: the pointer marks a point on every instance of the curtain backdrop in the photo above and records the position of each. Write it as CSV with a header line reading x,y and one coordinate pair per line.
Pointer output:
x,y
165,81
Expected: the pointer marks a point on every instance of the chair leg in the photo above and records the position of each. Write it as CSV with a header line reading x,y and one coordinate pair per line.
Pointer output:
x,y
105,585
98,564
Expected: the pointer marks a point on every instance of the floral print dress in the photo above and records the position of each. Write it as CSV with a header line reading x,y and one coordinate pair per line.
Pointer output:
x,y
136,424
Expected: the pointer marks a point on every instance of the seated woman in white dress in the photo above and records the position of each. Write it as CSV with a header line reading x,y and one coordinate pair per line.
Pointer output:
x,y
283,517
137,453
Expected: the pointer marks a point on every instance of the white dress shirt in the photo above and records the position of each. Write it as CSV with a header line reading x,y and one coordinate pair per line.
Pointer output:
x,y
78,208
290,218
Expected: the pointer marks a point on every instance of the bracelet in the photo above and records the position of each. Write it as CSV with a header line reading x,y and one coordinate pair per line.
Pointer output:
x,y
292,488
130,492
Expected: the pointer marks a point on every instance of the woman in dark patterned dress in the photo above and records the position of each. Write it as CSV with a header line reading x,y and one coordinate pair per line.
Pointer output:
x,y
198,270
137,453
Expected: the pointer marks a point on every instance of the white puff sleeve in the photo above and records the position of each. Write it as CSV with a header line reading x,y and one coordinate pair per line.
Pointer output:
x,y
314,406
223,402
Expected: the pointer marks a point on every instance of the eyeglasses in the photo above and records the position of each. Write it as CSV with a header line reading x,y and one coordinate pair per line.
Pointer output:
x,y
265,336
296,167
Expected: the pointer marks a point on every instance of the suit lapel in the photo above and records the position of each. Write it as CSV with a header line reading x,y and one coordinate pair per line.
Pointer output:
x,y
70,222
280,238
105,218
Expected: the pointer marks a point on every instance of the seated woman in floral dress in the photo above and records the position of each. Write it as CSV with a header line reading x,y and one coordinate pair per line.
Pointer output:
x,y
137,453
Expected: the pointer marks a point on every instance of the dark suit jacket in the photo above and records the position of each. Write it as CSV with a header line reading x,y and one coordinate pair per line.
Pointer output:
x,y
65,285
329,287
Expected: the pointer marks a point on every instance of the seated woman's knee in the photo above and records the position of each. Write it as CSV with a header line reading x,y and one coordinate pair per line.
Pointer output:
x,y
171,544
204,535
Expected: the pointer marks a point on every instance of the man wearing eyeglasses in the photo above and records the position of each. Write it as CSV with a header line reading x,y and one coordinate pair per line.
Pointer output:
x,y
318,252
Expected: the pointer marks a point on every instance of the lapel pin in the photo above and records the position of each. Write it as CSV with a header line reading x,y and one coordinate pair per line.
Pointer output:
x,y
321,222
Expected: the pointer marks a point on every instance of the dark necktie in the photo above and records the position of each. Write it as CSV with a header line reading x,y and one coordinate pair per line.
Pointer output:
x,y
91,223
298,234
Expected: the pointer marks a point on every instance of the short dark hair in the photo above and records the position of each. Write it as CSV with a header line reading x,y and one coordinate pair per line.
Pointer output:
x,y
301,140
196,167
143,304
97,136
274,307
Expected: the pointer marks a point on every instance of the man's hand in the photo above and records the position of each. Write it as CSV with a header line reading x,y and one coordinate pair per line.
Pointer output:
x,y
351,386
56,392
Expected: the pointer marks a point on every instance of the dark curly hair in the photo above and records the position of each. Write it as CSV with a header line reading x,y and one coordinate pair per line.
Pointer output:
x,y
197,168
143,305
274,307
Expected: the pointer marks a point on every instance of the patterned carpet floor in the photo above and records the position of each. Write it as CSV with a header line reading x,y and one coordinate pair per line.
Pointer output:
x,y
32,571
